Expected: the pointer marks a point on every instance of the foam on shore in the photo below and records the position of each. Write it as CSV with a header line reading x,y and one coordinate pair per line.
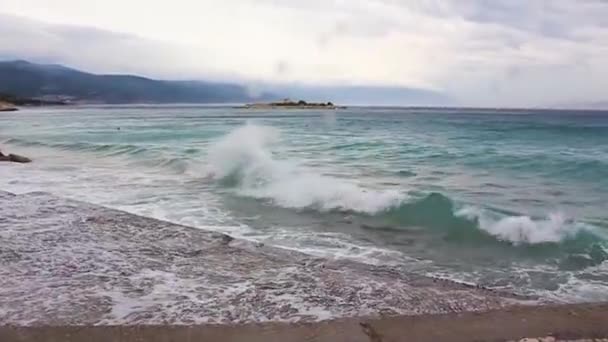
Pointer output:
x,y
66,262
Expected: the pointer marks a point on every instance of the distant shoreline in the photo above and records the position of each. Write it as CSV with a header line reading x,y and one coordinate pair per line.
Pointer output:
x,y
350,106
289,104
11,103
473,110
270,106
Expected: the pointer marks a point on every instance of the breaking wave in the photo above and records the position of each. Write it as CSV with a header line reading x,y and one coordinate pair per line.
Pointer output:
x,y
438,212
244,161
555,227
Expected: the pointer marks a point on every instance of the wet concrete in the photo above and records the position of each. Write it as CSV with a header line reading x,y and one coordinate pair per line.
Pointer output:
x,y
585,322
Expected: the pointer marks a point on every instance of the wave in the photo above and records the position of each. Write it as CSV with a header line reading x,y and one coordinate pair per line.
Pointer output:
x,y
243,160
440,213
573,244
555,233
148,157
556,227
109,149
578,166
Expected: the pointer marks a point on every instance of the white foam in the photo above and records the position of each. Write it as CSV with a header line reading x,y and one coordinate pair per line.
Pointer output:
x,y
524,229
246,155
332,245
579,289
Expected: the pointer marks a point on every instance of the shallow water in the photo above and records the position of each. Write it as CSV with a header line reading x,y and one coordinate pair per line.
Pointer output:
x,y
510,200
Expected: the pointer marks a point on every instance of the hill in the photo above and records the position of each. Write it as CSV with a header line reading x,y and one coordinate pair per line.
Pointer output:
x,y
53,82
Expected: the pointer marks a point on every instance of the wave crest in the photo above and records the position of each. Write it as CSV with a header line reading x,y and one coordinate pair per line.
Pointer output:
x,y
244,159
556,227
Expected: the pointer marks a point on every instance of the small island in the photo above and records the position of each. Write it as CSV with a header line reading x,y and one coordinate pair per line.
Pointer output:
x,y
289,104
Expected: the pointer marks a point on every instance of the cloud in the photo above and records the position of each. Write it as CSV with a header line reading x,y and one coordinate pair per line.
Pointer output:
x,y
98,50
481,52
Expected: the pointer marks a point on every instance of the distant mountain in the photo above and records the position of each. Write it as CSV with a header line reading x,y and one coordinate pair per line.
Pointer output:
x,y
53,82
50,81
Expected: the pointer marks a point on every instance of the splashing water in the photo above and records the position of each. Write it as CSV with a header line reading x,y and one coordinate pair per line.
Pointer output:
x,y
244,157
523,229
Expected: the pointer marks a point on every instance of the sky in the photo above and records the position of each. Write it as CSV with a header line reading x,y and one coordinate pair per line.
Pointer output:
x,y
477,52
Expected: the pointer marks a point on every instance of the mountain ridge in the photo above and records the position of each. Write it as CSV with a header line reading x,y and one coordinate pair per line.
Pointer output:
x,y
58,83
24,79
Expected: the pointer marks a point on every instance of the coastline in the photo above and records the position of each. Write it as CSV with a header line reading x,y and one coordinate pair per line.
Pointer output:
x,y
94,273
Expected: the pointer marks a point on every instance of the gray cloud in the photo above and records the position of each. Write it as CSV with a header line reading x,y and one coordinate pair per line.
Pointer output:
x,y
522,52
91,49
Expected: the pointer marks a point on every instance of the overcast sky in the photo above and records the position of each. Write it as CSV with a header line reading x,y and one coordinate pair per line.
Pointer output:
x,y
511,52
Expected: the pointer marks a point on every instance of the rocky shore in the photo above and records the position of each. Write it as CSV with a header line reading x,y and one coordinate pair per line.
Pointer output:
x,y
68,267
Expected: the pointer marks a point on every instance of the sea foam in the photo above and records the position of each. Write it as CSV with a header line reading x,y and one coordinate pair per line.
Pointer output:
x,y
244,158
555,227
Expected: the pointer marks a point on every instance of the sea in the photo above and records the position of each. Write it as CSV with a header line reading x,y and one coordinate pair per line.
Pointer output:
x,y
515,200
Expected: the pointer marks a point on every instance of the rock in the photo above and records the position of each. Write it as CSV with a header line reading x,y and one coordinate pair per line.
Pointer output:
x,y
14,158
19,159
7,107
224,239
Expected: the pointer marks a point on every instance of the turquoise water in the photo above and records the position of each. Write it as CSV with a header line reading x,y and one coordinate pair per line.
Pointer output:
x,y
509,200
